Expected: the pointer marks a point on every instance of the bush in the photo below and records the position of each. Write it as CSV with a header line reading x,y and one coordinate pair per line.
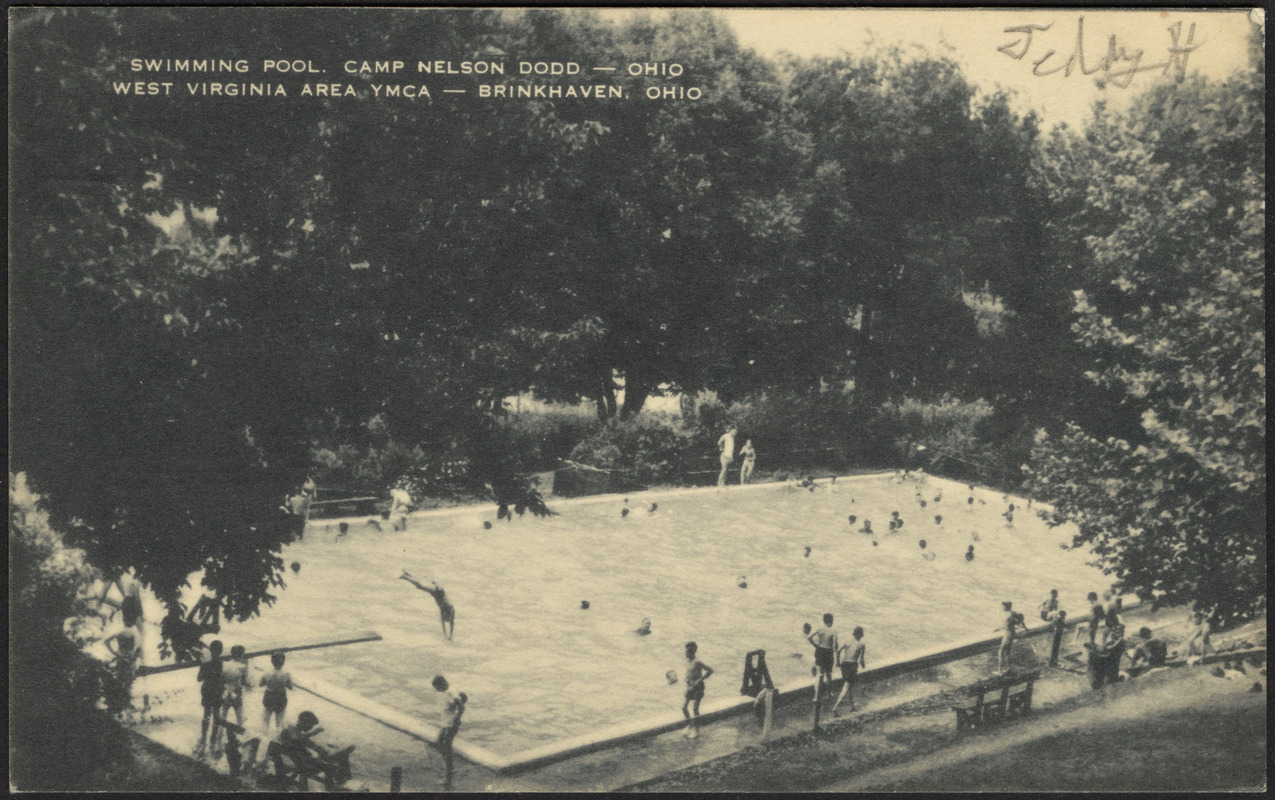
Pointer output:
x,y
953,433
802,432
524,444
542,439
59,729
649,450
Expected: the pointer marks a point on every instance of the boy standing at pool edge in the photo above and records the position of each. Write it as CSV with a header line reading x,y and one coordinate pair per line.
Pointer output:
x,y
696,673
453,710
852,659
726,452
275,697
825,644
749,457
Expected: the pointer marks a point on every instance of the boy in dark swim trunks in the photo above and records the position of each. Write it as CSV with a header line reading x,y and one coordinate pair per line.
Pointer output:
x,y
275,698
212,686
446,611
852,660
825,643
696,673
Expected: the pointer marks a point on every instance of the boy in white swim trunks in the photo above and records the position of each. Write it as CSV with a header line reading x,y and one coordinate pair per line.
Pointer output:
x,y
726,453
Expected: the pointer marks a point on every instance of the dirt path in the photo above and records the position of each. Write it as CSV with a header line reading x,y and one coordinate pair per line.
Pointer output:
x,y
1172,708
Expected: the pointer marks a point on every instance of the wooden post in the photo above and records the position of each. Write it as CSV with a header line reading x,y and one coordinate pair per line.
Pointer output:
x,y
818,699
396,780
1059,623
767,700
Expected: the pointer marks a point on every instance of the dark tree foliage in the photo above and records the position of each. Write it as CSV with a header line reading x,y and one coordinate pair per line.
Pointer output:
x,y
58,734
192,296
1168,200
917,229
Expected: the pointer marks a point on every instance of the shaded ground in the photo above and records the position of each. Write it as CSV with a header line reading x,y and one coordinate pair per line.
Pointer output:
x,y
151,767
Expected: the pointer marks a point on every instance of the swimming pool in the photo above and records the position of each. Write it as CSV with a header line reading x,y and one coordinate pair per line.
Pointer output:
x,y
538,668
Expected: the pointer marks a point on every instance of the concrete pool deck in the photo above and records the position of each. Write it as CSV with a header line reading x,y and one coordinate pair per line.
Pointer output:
x,y
601,761
727,729
595,499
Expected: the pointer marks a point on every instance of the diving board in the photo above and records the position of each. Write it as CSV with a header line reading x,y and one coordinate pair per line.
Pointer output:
x,y
358,639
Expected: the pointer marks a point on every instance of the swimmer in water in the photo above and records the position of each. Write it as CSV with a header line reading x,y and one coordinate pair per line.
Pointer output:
x,y
446,611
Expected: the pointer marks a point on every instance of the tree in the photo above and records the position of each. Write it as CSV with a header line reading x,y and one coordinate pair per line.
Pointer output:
x,y
1169,200
899,278
191,300
646,276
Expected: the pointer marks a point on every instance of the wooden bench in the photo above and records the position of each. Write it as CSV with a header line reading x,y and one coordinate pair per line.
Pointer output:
x,y
983,712
292,772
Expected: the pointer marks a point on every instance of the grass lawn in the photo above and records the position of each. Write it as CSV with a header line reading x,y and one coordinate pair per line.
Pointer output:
x,y
1217,748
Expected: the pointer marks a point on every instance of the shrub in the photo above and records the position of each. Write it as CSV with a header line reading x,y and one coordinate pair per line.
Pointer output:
x,y
59,729
802,432
541,439
953,433
636,453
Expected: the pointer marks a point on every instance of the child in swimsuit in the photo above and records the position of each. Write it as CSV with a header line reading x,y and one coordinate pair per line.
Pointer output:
x,y
750,460
852,660
212,686
235,673
446,611
275,698
696,673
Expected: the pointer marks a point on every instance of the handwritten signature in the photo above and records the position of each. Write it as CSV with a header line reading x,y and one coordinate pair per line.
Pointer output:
x,y
1118,63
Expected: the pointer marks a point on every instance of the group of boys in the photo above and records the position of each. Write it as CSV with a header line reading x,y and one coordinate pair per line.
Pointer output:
x,y
726,456
829,650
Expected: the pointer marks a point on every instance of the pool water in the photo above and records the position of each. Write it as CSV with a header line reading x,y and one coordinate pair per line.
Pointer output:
x,y
538,668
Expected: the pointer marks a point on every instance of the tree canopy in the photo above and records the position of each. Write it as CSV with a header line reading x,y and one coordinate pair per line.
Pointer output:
x,y
1168,200
196,298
